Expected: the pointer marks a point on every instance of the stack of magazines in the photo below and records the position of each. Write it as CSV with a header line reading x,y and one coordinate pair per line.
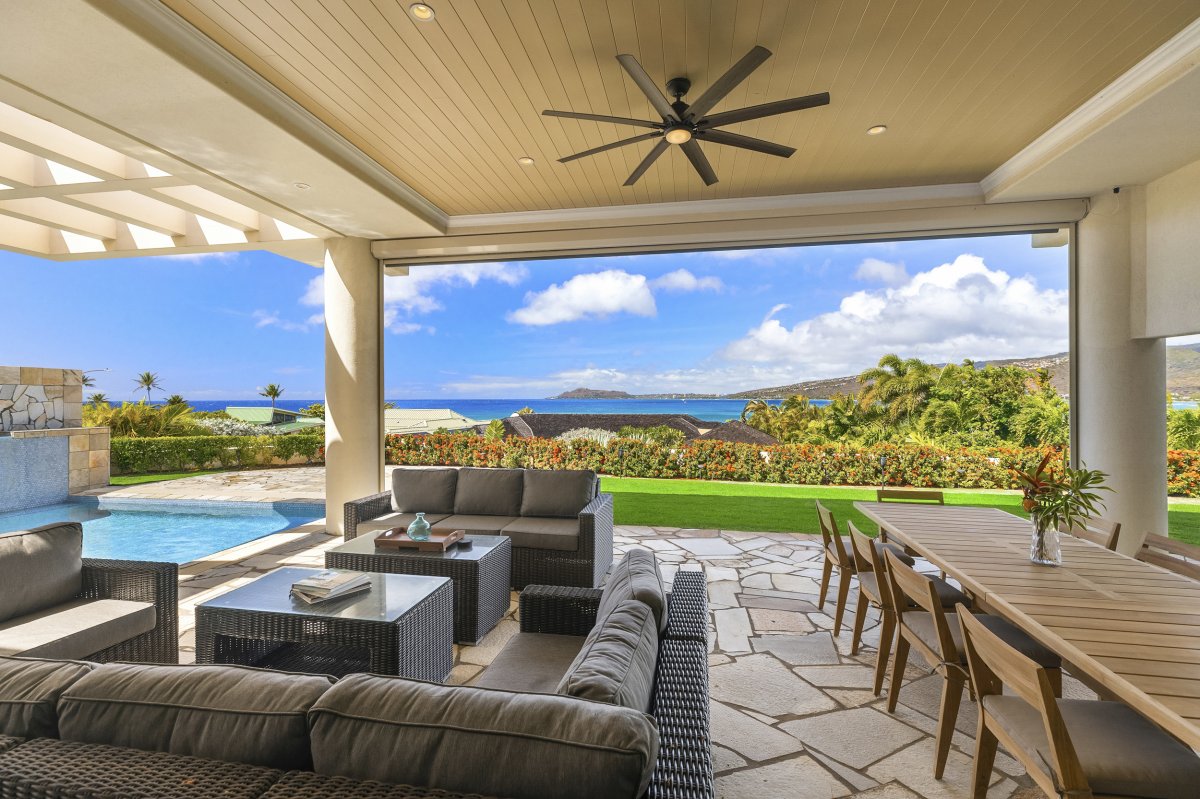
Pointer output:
x,y
330,585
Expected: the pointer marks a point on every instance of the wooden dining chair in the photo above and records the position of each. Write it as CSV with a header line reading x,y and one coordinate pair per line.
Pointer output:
x,y
1172,555
922,625
1071,748
875,590
1097,530
920,495
836,557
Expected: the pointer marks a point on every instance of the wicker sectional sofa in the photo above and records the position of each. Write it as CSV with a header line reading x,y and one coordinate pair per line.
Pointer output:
x,y
76,729
56,603
560,524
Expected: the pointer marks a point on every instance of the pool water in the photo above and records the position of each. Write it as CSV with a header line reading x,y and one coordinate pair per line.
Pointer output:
x,y
165,530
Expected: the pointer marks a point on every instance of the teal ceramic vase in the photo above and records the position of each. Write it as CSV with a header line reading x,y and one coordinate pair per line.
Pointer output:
x,y
419,529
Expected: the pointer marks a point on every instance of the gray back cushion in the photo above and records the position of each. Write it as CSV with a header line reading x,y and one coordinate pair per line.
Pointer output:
x,y
557,493
636,576
229,713
616,664
46,562
488,492
29,692
423,489
477,740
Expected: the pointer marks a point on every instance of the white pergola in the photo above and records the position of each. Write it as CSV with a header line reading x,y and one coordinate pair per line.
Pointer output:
x,y
355,137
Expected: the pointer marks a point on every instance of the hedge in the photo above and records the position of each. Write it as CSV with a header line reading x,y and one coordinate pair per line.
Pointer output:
x,y
802,464
182,453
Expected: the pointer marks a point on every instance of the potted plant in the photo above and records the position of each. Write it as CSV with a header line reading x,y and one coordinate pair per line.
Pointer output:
x,y
1058,499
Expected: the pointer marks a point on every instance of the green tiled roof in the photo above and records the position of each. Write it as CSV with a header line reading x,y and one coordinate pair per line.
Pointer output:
x,y
302,423
256,415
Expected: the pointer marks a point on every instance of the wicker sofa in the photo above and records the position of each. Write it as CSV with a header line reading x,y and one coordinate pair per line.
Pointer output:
x,y
80,730
56,603
560,524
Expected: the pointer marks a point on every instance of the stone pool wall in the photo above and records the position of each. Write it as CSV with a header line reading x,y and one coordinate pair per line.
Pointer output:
x,y
38,404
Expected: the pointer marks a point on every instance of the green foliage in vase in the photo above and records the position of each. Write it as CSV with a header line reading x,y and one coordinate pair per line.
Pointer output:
x,y
1064,497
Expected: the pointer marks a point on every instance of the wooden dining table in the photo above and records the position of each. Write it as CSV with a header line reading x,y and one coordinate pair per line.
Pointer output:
x,y
1129,629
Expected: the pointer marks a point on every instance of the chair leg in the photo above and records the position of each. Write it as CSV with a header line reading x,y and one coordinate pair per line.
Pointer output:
x,y
1055,676
825,574
860,618
899,661
952,690
887,631
985,758
842,597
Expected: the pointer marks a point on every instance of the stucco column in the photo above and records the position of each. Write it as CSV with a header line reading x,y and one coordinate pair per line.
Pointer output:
x,y
353,375
1119,383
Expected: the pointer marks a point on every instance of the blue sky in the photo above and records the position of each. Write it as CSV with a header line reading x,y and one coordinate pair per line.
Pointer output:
x,y
220,327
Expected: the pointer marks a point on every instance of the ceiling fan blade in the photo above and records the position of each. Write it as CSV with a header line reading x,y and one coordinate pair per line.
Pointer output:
x,y
699,162
726,83
650,158
765,110
745,142
641,123
611,146
647,85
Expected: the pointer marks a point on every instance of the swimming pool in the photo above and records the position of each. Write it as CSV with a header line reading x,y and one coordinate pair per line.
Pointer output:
x,y
165,530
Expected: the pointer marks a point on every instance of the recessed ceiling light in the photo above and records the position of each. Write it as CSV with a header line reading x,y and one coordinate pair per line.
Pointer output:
x,y
678,135
302,186
525,161
421,12
875,130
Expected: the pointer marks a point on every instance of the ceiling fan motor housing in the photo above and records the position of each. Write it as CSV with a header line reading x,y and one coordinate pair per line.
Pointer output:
x,y
678,87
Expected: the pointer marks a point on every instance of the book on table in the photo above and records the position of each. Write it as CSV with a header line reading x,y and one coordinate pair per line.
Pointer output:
x,y
330,585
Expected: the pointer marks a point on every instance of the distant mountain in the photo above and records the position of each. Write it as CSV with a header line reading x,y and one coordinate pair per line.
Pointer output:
x,y
603,393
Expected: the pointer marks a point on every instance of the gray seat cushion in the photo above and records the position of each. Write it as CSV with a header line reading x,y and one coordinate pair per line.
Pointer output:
x,y
488,492
542,533
76,629
896,549
390,520
475,740
29,692
1120,752
922,624
46,562
636,576
491,525
616,664
231,713
948,594
424,489
531,662
557,493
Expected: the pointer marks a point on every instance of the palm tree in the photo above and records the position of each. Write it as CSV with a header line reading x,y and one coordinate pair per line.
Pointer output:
x,y
176,399
147,381
87,381
98,399
900,385
272,391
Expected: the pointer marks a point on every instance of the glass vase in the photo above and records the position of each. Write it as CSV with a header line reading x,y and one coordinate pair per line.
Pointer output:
x,y
419,529
1044,546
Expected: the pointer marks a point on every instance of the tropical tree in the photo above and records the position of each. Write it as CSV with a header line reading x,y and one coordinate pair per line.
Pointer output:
x,y
947,416
1043,420
140,419
98,399
901,386
494,431
844,416
271,391
316,409
147,381
176,399
525,411
87,381
1183,429
762,415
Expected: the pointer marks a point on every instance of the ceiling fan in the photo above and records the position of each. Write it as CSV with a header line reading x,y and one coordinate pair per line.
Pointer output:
x,y
687,124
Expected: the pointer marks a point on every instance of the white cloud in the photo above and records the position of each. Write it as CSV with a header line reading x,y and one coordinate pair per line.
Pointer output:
x,y
263,318
953,311
681,280
874,270
595,295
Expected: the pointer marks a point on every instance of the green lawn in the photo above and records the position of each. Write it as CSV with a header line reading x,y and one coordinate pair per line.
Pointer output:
x,y
752,506
157,477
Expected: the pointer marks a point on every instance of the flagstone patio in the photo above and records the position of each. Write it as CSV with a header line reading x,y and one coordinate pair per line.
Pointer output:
x,y
793,714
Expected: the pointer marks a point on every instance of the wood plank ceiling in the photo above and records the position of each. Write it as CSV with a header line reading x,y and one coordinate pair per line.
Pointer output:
x,y
449,105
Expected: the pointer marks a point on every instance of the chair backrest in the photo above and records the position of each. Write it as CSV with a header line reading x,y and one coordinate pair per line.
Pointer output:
x,y
1104,532
909,495
1172,555
993,664
867,559
829,533
909,584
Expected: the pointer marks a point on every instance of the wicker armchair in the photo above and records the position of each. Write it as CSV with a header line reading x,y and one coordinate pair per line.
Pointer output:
x,y
138,581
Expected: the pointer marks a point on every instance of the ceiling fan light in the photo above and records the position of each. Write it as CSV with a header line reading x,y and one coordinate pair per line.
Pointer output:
x,y
421,12
875,130
678,135
525,161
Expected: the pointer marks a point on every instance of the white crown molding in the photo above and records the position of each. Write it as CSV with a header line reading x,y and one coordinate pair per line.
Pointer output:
x,y
1174,59
175,35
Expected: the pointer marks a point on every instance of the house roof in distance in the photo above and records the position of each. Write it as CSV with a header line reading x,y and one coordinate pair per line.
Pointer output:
x,y
739,432
258,414
424,420
550,425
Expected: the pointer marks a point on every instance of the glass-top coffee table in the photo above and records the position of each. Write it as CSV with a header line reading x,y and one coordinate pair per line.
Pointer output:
x,y
403,626
480,571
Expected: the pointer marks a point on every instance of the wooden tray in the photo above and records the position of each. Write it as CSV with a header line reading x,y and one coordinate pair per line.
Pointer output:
x,y
397,538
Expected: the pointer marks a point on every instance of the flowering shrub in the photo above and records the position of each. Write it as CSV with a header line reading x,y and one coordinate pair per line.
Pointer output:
x,y
804,464
233,427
